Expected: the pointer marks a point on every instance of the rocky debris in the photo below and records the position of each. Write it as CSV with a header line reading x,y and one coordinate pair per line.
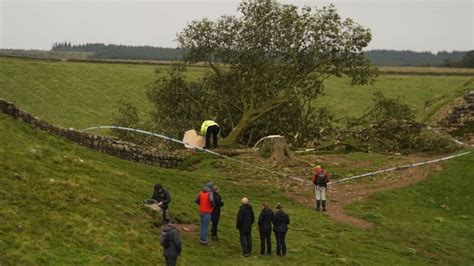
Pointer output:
x,y
110,145
462,116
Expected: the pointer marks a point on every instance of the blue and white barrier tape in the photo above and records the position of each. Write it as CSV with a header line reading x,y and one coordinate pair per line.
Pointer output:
x,y
283,174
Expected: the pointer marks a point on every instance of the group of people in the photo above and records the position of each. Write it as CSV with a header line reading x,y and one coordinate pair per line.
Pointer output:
x,y
210,203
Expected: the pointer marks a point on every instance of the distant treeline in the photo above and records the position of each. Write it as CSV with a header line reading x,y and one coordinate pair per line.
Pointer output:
x,y
378,57
112,51
410,58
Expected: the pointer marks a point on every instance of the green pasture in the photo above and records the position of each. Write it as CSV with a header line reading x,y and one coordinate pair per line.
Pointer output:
x,y
73,94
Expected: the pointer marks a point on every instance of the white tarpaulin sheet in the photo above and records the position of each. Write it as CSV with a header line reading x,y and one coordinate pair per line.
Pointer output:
x,y
191,139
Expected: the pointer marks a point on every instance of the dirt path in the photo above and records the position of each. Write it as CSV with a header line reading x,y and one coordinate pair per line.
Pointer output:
x,y
343,194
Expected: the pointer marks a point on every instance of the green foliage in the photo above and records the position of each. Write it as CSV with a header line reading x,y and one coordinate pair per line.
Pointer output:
x,y
388,108
178,104
126,116
272,54
433,142
389,126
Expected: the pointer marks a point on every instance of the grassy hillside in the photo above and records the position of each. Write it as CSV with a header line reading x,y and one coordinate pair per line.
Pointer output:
x,y
64,204
74,94
84,94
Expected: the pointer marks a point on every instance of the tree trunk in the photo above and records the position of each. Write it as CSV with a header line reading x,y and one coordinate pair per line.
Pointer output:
x,y
275,148
237,131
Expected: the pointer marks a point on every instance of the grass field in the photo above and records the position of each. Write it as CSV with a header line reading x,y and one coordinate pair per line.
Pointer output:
x,y
64,204
84,94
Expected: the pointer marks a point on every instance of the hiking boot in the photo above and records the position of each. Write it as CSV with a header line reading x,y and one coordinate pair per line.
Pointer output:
x,y
324,205
318,204
214,238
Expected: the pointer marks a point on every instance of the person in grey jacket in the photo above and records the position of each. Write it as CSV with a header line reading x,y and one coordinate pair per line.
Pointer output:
x,y
171,243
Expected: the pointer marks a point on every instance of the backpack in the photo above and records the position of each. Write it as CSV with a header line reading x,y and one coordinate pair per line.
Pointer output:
x,y
165,239
321,179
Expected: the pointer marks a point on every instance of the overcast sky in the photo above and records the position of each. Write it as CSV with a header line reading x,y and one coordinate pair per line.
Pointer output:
x,y
421,25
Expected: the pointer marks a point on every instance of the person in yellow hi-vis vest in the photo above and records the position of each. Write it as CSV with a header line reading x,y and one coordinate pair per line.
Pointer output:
x,y
209,128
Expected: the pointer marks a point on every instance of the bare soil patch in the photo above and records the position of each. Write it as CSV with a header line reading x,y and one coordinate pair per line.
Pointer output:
x,y
184,229
342,194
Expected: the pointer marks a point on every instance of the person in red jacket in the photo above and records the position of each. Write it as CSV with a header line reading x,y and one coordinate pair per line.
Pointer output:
x,y
205,200
320,181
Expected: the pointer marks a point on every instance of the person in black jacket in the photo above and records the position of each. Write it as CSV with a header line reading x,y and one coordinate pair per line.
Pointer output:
x,y
162,197
265,220
171,243
245,219
216,213
280,227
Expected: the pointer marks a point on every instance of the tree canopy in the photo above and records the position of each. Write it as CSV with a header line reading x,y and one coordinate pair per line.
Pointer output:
x,y
272,58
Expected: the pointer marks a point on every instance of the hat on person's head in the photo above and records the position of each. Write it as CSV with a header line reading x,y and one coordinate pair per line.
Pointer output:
x,y
278,206
210,184
158,187
245,200
172,221
318,167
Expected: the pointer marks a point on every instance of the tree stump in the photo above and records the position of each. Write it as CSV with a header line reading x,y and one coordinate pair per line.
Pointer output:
x,y
275,148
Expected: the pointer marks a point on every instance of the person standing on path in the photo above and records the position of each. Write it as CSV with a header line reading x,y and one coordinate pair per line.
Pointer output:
x,y
245,219
280,227
320,181
216,213
265,220
171,243
209,128
205,200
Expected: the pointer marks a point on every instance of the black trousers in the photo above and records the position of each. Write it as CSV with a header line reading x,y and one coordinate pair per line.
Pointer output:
x,y
171,261
246,242
214,131
281,244
215,223
164,207
265,237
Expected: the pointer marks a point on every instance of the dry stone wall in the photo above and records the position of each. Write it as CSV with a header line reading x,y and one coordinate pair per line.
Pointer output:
x,y
109,145
461,118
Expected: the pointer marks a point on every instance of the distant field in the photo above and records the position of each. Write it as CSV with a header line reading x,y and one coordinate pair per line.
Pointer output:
x,y
75,94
